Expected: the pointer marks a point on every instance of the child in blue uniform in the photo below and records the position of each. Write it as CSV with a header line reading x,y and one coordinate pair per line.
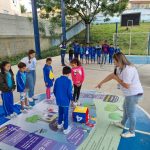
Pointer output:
x,y
99,52
63,94
21,86
111,53
7,86
71,52
81,53
48,77
87,53
117,50
76,48
93,54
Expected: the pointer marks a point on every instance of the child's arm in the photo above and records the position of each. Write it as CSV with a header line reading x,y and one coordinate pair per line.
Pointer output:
x,y
45,74
83,74
54,89
70,91
20,83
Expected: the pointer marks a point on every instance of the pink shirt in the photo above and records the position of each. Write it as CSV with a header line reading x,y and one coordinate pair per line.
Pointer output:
x,y
77,74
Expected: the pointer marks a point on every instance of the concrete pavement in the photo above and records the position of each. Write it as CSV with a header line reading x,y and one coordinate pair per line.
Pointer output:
x,y
93,74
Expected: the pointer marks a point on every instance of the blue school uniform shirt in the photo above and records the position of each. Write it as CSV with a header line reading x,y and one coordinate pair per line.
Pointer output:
x,y
63,91
9,80
99,50
48,75
87,51
117,50
93,51
111,51
21,81
81,50
76,48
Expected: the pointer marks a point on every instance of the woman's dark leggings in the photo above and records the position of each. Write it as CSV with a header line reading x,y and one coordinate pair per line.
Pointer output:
x,y
76,92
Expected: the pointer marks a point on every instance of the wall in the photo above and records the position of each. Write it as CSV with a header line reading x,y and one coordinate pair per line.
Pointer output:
x,y
16,35
11,7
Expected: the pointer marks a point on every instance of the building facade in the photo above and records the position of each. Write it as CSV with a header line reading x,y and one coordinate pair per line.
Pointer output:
x,y
11,7
139,4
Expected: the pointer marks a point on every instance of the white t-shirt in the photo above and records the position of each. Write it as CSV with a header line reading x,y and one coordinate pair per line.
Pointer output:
x,y
130,76
31,65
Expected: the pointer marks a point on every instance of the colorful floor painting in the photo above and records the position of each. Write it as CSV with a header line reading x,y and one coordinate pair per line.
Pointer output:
x,y
37,129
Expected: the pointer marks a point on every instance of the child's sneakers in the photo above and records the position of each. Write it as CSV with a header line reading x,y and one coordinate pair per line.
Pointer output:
x,y
127,135
15,114
60,126
30,99
119,124
75,104
67,131
24,111
28,107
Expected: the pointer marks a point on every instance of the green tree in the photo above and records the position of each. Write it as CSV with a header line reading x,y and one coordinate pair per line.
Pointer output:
x,y
23,9
86,9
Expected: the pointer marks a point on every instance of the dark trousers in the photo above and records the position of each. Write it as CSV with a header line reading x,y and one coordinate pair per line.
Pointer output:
x,y
76,92
8,103
63,116
76,55
110,59
63,57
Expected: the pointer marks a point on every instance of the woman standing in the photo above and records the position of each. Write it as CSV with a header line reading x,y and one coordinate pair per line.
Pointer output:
x,y
127,77
30,62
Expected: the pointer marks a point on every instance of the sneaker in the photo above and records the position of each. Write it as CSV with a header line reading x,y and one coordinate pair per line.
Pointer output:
x,y
28,107
30,99
78,103
14,114
35,98
60,126
8,117
24,111
127,135
67,130
75,104
118,124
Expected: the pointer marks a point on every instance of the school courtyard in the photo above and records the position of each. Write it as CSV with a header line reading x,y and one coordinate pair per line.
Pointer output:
x,y
38,128
93,74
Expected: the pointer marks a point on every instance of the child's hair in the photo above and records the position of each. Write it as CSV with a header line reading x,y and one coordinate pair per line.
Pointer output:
x,y
66,70
48,59
2,67
76,61
31,51
21,65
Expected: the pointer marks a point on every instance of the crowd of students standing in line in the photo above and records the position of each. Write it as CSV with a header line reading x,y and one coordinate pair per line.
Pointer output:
x,y
93,53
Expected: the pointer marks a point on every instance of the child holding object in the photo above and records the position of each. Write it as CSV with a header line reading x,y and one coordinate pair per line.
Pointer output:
x,y
63,94
7,86
21,87
48,77
77,74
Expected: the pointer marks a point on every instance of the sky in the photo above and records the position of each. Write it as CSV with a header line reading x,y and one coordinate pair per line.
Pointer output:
x,y
27,4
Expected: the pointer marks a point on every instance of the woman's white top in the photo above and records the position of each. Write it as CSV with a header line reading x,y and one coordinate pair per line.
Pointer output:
x,y
130,76
31,64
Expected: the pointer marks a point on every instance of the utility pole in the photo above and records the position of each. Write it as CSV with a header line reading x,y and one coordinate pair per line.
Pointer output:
x,y
63,21
36,29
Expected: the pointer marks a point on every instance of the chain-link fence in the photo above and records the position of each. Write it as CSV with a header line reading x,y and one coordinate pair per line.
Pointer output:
x,y
132,43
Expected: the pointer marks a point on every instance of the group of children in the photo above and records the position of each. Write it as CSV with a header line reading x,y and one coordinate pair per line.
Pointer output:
x,y
93,53
62,88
